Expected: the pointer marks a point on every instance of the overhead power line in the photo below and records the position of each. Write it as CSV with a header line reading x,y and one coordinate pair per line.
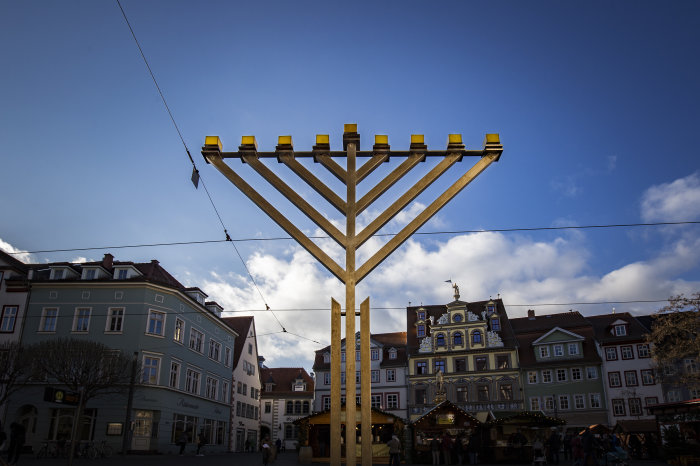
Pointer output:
x,y
285,238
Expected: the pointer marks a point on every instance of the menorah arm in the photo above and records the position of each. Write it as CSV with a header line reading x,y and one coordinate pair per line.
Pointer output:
x,y
424,216
296,199
388,181
278,218
310,179
406,198
333,167
369,166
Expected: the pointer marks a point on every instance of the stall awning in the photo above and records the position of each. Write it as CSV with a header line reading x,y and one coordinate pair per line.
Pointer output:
x,y
636,426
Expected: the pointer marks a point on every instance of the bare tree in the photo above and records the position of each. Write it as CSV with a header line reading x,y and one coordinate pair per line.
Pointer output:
x,y
13,368
675,341
87,367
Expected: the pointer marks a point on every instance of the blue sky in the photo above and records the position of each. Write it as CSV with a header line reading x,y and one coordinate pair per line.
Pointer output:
x,y
596,104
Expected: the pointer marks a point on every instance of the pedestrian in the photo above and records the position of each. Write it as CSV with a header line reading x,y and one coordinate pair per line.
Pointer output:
x,y
201,441
394,451
474,448
16,443
589,447
435,449
278,445
446,449
265,452
554,444
568,453
182,441
577,450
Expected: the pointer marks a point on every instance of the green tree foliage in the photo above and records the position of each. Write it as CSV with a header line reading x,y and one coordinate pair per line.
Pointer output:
x,y
675,341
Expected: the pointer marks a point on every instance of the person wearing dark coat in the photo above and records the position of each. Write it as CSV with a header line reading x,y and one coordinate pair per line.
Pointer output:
x,y
588,442
17,438
554,443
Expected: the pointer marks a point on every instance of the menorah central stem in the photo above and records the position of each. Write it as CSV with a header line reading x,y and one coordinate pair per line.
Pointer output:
x,y
350,381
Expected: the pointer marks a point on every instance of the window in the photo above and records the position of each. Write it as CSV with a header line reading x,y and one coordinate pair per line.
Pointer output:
x,y
156,323
476,337
635,405
457,338
196,340
150,370
532,377
250,348
392,353
544,351
647,377
419,396
690,365
563,402
297,407
421,367
558,350
342,356
626,352
179,335
673,396
326,378
651,400
214,350
549,403
420,330
440,339
460,364
57,274
579,402
289,407
357,356
358,377
115,319
506,391
440,365
376,401
374,376
392,401
9,317
81,321
212,388
614,379
482,392
573,349
174,380
90,274
502,361
561,375
610,353
391,375
631,378
227,356
618,406
534,404
495,324
291,432
576,374
342,377
374,354
421,315
462,394
643,351
326,358
122,274
620,331
48,319
326,403
594,400
591,372
546,376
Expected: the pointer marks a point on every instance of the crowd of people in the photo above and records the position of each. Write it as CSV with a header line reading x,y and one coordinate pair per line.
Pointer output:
x,y
462,449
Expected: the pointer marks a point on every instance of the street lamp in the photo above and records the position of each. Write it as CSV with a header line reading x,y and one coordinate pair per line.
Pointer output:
x,y
350,240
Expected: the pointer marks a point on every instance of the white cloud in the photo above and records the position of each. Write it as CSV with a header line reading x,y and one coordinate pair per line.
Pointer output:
x,y
673,202
23,256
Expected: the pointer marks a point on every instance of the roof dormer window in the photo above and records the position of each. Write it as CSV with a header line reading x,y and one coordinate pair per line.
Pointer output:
x,y
268,387
620,330
490,307
90,274
326,358
495,324
421,315
57,274
392,353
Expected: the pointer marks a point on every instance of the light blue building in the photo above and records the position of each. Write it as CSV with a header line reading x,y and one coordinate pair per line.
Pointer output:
x,y
183,346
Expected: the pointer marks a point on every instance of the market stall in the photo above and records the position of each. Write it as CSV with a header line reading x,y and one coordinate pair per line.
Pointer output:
x,y
510,435
445,420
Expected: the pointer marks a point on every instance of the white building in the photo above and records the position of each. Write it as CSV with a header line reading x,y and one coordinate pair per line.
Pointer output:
x,y
628,375
388,372
245,406
287,395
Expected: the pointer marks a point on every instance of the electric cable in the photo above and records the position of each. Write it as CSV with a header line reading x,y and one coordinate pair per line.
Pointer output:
x,y
286,238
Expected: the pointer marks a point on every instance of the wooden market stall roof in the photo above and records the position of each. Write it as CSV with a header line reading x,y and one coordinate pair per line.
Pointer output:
x,y
377,416
445,406
526,419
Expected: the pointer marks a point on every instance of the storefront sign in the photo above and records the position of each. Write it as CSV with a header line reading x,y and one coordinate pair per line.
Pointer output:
x,y
185,404
448,418
58,395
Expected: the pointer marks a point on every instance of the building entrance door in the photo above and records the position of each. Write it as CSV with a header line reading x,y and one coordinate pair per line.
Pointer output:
x,y
143,428
240,439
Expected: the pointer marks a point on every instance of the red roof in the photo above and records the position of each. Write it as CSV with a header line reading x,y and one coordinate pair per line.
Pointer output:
x,y
283,379
242,326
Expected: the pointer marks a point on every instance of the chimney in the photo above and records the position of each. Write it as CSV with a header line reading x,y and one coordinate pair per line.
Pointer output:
x,y
107,261
531,314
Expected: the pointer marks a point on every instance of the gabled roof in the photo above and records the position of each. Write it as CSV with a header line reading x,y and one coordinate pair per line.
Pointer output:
x,y
396,340
242,326
13,262
447,404
570,335
603,325
283,379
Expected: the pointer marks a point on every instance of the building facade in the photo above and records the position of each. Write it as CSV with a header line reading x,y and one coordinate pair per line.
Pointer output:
x,y
184,350
465,353
287,395
388,373
561,368
245,405
628,370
